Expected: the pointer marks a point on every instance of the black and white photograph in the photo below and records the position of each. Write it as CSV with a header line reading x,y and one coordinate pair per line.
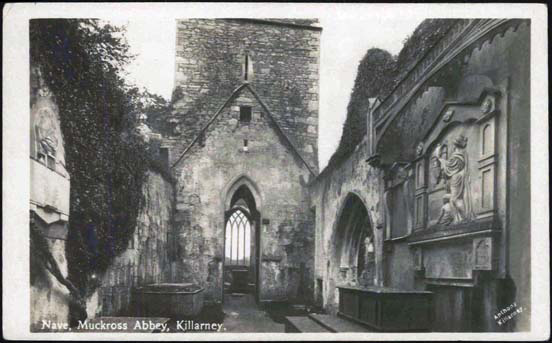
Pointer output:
x,y
275,171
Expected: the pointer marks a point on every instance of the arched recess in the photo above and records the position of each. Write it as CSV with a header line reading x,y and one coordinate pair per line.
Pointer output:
x,y
354,249
242,201
235,184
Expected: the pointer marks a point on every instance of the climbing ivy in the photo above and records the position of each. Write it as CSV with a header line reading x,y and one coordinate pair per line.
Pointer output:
x,y
82,61
377,74
374,78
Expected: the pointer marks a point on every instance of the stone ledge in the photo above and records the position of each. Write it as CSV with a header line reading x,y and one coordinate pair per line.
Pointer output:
x,y
338,324
461,230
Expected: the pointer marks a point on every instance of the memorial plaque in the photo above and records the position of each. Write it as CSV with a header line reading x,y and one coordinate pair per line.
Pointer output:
x,y
449,261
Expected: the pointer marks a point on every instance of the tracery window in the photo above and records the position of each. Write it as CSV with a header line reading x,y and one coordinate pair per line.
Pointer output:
x,y
238,239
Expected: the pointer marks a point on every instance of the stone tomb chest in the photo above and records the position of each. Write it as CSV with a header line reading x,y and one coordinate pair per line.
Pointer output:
x,y
386,309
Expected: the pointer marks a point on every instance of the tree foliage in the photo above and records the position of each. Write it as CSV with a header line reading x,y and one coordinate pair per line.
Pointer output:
x,y
378,73
82,62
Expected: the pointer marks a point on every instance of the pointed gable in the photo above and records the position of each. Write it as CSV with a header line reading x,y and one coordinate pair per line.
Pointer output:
x,y
245,93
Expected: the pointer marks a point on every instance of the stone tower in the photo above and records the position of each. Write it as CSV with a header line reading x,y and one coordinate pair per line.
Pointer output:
x,y
278,58
244,135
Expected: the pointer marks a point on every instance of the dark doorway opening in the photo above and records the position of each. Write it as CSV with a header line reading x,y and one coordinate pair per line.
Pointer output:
x,y
241,245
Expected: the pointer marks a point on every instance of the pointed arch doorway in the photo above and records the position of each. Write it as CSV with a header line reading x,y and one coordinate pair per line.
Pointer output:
x,y
242,241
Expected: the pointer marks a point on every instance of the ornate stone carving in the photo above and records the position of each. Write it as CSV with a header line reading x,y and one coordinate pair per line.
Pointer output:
x,y
435,166
446,216
488,105
455,172
44,92
420,149
448,116
46,132
482,250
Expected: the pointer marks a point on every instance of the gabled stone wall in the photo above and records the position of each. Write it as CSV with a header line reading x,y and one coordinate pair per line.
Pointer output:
x,y
283,68
207,176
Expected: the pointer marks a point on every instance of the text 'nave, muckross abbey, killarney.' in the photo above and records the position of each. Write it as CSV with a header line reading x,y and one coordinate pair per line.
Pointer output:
x,y
423,226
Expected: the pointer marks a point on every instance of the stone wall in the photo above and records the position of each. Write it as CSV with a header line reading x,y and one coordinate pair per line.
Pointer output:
x,y
208,177
149,257
283,69
476,266
49,298
329,194
49,205
280,58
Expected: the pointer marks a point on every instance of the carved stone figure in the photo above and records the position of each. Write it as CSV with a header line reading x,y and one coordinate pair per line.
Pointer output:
x,y
487,105
456,174
448,116
446,217
420,149
436,171
46,132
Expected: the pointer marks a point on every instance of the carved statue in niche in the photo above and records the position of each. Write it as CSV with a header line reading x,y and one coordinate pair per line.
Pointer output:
x,y
420,149
436,170
455,172
46,132
367,275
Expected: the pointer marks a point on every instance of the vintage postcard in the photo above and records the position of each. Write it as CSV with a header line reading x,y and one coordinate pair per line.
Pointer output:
x,y
275,172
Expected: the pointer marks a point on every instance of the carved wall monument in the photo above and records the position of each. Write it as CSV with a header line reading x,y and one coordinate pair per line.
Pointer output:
x,y
446,174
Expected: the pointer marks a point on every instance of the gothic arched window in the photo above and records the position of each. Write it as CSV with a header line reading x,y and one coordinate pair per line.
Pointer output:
x,y
238,239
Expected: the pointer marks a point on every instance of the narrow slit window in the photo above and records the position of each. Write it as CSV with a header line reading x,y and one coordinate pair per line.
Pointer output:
x,y
246,68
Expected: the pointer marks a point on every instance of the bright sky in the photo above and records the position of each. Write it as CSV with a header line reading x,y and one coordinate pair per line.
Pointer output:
x,y
344,42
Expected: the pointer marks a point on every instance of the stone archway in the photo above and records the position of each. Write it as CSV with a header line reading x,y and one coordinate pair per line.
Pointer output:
x,y
242,203
352,249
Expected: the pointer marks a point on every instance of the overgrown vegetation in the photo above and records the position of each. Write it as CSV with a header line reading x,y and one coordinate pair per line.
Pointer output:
x,y
374,78
81,62
378,73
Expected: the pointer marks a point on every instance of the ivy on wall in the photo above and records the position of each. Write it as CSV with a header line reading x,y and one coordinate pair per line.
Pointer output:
x,y
377,74
81,61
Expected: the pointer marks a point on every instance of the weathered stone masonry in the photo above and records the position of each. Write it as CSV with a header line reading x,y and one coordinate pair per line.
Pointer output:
x,y
274,154
49,202
467,100
150,256
283,69
436,196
